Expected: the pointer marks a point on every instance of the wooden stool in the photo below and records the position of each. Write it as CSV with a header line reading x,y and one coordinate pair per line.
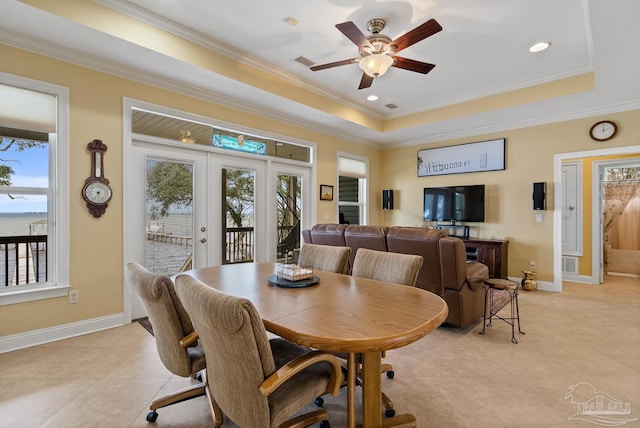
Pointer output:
x,y
511,287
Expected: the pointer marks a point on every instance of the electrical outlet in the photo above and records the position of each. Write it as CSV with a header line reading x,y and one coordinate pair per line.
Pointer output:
x,y
532,264
74,296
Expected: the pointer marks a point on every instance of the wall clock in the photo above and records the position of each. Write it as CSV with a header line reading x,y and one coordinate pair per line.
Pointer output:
x,y
96,191
603,130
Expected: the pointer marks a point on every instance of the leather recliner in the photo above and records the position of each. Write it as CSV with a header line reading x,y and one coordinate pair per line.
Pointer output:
x,y
328,234
445,271
369,237
423,242
462,281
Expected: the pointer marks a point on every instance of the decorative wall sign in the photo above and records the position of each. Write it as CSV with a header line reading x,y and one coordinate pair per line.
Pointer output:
x,y
472,157
326,192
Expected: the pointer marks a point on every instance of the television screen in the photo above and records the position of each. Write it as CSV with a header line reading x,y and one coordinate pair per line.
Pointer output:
x,y
458,203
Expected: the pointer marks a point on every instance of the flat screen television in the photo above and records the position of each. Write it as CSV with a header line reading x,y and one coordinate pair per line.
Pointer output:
x,y
454,203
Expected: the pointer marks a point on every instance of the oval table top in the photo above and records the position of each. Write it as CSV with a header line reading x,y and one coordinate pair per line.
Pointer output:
x,y
341,313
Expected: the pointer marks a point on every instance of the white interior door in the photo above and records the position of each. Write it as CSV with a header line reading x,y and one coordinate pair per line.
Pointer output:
x,y
572,208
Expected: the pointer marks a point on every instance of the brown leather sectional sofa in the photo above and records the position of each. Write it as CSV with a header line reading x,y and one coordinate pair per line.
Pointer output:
x,y
445,271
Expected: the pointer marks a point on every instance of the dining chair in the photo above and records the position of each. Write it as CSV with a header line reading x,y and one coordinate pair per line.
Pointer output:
x,y
176,340
385,266
258,382
324,257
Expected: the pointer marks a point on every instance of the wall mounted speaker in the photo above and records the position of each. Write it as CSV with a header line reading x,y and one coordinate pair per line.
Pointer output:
x,y
539,196
387,199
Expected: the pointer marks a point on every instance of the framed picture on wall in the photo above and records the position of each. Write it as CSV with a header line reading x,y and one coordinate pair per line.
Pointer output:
x,y
326,192
463,158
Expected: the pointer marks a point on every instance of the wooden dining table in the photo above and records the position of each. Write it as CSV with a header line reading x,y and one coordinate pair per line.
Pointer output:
x,y
340,313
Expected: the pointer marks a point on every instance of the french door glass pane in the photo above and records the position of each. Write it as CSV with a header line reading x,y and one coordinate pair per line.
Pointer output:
x,y
169,216
289,200
238,189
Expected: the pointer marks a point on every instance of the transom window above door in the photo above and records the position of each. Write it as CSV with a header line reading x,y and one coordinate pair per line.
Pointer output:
x,y
189,132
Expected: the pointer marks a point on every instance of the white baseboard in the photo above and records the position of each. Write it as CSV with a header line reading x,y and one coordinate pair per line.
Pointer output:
x,y
52,334
548,286
541,285
583,279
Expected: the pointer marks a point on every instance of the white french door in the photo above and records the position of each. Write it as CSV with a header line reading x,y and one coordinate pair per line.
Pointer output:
x,y
237,202
183,209
166,226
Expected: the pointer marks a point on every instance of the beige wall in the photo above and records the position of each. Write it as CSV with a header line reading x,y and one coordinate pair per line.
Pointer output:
x,y
96,245
509,214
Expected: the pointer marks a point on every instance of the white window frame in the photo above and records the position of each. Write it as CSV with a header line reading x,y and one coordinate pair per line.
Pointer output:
x,y
363,187
57,201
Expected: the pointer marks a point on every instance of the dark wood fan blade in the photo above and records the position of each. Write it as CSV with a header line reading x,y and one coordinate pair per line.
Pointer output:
x,y
366,81
352,32
334,64
412,65
421,32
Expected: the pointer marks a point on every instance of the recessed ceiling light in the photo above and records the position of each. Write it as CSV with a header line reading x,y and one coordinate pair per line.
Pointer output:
x,y
539,47
372,97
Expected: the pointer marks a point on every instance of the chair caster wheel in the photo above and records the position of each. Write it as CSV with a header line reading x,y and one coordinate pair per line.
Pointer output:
x,y
319,402
324,424
152,416
389,413
391,374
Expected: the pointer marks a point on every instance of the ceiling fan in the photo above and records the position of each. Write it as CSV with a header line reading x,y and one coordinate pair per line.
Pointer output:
x,y
378,51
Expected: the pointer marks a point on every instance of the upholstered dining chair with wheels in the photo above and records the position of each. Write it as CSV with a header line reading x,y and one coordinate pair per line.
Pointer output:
x,y
175,337
258,382
385,266
325,257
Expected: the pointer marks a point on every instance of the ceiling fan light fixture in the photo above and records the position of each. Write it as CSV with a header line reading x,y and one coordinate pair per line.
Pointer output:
x,y
375,64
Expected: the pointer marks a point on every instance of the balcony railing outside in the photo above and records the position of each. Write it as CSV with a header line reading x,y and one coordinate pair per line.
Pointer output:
x,y
23,259
240,244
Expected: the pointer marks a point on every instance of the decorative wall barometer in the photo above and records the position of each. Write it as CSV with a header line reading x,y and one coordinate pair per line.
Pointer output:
x,y
96,191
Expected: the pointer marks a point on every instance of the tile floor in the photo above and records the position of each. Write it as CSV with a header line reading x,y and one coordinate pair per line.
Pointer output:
x,y
452,378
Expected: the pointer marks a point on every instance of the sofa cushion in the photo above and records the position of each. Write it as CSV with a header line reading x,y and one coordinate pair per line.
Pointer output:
x,y
423,242
328,234
370,237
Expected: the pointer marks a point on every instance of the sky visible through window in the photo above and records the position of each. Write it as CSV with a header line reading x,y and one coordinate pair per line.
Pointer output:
x,y
31,169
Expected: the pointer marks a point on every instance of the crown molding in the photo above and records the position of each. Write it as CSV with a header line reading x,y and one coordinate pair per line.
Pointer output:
x,y
55,51
200,39
519,124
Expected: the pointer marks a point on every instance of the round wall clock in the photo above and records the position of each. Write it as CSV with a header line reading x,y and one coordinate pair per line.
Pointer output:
x,y
603,130
96,191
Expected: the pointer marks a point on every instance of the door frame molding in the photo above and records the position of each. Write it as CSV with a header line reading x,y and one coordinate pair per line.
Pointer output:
x,y
128,167
598,198
557,211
